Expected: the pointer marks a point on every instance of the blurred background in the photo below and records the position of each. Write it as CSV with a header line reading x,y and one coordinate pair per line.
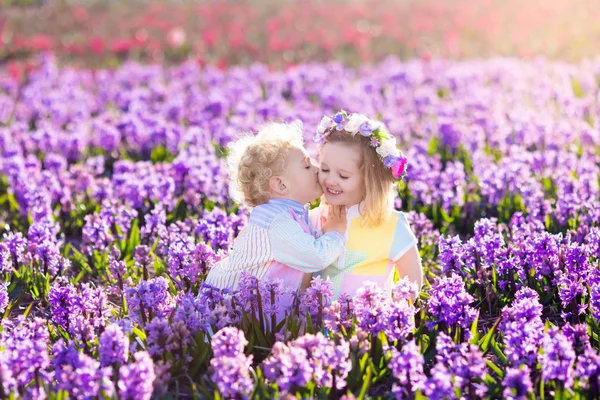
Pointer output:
x,y
283,33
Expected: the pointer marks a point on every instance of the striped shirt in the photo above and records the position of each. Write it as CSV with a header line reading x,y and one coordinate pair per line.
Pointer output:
x,y
278,242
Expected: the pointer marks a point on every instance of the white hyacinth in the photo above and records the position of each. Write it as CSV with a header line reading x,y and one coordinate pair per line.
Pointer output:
x,y
387,148
354,123
325,124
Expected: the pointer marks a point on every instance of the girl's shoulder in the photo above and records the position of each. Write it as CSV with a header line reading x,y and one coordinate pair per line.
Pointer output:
x,y
400,218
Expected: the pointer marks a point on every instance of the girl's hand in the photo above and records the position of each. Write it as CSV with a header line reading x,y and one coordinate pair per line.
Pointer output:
x,y
336,220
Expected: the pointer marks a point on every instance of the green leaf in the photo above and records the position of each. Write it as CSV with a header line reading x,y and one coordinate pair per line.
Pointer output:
x,y
474,332
27,310
484,343
139,333
309,325
366,383
494,368
498,351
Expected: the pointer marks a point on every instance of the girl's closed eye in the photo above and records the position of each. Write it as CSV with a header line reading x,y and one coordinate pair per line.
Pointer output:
x,y
343,177
324,170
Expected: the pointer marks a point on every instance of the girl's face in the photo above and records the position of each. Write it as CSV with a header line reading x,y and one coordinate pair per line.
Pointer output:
x,y
340,176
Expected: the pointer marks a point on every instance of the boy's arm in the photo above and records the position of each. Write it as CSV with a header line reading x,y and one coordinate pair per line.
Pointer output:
x,y
300,250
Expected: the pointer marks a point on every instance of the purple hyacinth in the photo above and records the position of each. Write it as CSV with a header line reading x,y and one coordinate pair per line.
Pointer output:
x,y
450,256
370,306
517,383
80,375
136,379
157,336
96,233
25,353
16,244
5,258
3,297
232,376
329,361
405,289
399,320
558,358
449,304
64,303
231,368
587,369
288,367
464,362
228,342
181,265
439,386
317,296
114,346
213,307
308,358
149,299
522,328
407,369
595,299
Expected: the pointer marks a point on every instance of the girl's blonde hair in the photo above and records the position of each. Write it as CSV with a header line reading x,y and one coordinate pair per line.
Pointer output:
x,y
253,159
379,181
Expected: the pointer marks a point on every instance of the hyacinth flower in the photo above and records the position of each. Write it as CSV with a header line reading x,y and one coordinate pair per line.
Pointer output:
x,y
24,356
267,304
136,379
316,297
231,369
449,307
308,359
522,328
80,375
149,299
558,359
82,312
407,368
458,367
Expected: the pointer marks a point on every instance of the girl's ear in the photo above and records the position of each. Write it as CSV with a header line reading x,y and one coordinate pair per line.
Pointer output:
x,y
278,186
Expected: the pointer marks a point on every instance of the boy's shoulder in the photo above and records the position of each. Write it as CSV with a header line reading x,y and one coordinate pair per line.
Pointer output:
x,y
265,214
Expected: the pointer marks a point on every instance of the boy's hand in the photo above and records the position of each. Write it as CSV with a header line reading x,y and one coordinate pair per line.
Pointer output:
x,y
336,220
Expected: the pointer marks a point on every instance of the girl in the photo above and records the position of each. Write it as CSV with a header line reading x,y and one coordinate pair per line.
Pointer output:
x,y
273,173
359,166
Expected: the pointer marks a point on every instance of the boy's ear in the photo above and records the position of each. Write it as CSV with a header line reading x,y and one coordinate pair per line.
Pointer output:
x,y
277,185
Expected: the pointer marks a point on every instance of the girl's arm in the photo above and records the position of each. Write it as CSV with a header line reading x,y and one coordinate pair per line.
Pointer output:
x,y
409,265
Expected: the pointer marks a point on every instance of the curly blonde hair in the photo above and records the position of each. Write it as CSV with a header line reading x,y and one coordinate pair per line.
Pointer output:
x,y
254,159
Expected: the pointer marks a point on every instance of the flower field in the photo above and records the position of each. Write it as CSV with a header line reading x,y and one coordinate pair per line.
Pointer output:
x,y
115,200
114,204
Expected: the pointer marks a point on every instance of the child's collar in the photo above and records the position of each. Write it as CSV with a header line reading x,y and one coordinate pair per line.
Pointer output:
x,y
356,210
294,205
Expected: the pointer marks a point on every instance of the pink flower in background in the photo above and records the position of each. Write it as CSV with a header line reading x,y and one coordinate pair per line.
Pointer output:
x,y
176,37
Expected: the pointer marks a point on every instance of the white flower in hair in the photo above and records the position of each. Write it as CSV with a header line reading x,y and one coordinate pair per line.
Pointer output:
x,y
388,148
325,124
354,122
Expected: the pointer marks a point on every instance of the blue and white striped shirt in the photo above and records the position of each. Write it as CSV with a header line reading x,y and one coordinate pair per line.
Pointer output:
x,y
278,242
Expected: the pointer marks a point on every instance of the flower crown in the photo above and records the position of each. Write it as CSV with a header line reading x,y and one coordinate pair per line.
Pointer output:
x,y
383,142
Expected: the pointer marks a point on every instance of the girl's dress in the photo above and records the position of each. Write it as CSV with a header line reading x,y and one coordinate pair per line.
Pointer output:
x,y
278,242
369,251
